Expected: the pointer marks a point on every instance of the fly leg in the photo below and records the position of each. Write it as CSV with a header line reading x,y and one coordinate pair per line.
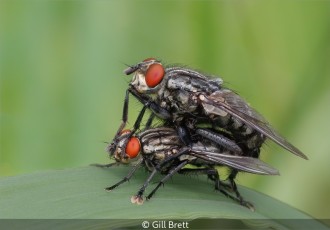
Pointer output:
x,y
155,108
165,161
135,127
138,197
127,137
219,185
239,197
220,139
171,173
149,122
127,177
112,146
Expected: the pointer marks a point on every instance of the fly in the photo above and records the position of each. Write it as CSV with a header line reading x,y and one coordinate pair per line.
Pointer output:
x,y
187,97
161,149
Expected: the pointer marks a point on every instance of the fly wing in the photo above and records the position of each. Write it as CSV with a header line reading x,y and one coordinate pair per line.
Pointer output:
x,y
246,164
226,101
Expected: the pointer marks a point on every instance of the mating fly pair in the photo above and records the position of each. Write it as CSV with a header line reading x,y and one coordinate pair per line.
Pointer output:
x,y
212,124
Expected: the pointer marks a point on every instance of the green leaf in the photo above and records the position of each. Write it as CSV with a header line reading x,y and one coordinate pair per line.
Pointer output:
x,y
78,194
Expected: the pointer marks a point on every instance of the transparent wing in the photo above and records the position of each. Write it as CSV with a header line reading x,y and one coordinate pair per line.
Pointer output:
x,y
246,164
226,101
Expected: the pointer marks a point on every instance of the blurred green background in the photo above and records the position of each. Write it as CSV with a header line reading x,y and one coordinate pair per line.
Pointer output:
x,y
62,83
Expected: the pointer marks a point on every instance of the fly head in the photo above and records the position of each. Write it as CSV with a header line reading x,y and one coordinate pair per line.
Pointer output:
x,y
129,153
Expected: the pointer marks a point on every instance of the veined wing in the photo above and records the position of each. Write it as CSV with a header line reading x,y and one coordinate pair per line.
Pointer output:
x,y
226,101
246,164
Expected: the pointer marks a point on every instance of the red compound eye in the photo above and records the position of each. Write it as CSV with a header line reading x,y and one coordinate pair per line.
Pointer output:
x,y
133,147
154,75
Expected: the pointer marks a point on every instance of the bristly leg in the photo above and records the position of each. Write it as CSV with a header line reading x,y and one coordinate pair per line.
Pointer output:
x,y
149,121
171,173
238,197
220,139
220,186
112,146
138,198
127,177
